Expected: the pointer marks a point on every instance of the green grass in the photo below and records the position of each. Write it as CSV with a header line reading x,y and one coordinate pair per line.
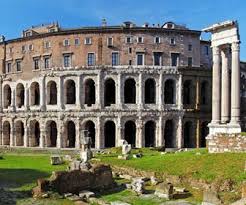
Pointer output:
x,y
209,167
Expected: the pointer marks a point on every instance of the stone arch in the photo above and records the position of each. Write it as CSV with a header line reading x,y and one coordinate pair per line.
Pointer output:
x,y
35,93
7,92
109,134
51,134
170,92
70,134
130,132
130,91
34,139
204,133
90,92
19,133
6,133
70,92
90,127
109,92
51,93
188,93
150,91
204,93
169,134
189,141
20,95
149,133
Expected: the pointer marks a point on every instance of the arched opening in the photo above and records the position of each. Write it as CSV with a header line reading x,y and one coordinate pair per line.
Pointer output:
x,y
109,92
169,92
149,131
70,92
6,133
187,94
204,93
34,139
90,92
204,133
130,91
169,136
51,93
130,132
109,134
71,134
51,134
7,96
35,94
150,91
20,95
19,133
90,127
189,141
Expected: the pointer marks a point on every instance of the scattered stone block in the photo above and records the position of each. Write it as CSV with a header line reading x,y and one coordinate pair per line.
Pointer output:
x,y
179,189
154,181
68,195
211,198
73,198
85,166
138,185
163,153
75,165
164,190
126,149
138,155
128,186
124,157
56,160
86,194
119,203
125,176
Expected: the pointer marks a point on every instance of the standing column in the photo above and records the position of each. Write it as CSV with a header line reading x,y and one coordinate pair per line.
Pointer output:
x,y
216,86
26,103
180,92
99,91
119,92
43,135
119,132
180,138
99,141
225,86
13,99
198,93
12,134
78,93
26,132
140,90
198,133
78,133
160,136
60,133
235,84
60,94
1,94
140,141
161,92
42,94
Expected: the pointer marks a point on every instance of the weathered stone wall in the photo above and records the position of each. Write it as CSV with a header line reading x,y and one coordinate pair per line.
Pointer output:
x,y
226,143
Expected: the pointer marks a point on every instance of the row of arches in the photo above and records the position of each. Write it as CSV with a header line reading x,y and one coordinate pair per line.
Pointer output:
x,y
109,92
69,134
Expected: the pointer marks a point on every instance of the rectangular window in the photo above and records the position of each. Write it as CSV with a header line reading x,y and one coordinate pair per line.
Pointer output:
x,y
23,48
47,44
206,50
128,39
47,62
67,61
140,59
115,58
30,47
140,39
157,39
66,42
18,66
130,62
130,50
36,63
8,67
189,47
76,41
174,59
172,41
91,59
157,58
190,61
110,42
87,41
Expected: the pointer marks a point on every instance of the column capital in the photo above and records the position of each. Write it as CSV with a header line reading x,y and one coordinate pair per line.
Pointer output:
x,y
216,50
235,46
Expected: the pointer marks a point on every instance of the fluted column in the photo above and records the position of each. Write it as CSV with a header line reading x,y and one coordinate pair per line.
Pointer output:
x,y
99,91
160,136
225,86
198,95
161,92
119,132
216,86
26,103
140,90
140,141
99,141
180,92
78,131
43,94
180,138
26,132
235,83
60,94
43,135
12,134
78,93
1,94
119,92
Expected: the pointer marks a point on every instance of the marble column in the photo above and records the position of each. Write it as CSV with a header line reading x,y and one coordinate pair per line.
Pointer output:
x,y
160,136
42,94
198,95
140,88
1,94
12,134
235,83
78,93
225,86
161,92
43,135
60,93
180,139
180,92
140,141
119,132
99,141
26,103
119,92
26,132
78,132
99,91
216,86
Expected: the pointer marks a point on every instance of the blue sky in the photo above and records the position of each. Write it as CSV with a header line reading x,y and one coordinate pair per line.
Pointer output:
x,y
17,15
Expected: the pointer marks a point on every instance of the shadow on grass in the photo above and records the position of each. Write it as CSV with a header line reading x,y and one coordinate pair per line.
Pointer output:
x,y
12,182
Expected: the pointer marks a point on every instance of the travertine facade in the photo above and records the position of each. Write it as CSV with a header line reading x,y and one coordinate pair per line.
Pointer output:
x,y
148,85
